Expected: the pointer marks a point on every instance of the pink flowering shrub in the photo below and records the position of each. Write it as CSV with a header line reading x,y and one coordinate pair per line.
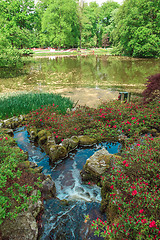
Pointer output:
x,y
109,121
135,193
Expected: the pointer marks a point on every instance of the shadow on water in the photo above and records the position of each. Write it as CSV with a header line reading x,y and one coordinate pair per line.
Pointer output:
x,y
65,219
12,72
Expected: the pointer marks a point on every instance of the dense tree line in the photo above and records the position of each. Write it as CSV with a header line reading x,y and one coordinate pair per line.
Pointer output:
x,y
133,28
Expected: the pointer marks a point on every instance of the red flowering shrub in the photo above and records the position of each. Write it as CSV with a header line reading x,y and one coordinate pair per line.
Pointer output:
x,y
135,193
152,90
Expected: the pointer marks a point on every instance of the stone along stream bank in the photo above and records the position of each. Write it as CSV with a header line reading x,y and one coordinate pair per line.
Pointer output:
x,y
64,216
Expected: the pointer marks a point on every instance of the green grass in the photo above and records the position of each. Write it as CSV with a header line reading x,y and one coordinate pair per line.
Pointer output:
x,y
25,102
98,51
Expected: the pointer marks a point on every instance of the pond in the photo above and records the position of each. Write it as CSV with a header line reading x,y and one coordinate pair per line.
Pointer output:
x,y
66,221
85,78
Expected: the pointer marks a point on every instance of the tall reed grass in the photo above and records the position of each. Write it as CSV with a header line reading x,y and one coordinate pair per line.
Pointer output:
x,y
23,103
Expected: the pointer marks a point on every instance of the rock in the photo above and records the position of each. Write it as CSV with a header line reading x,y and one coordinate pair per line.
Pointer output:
x,y
57,152
64,202
97,165
37,207
51,140
37,169
24,227
86,141
32,133
144,130
42,140
33,165
48,188
42,133
70,143
21,118
10,132
122,138
25,164
11,122
154,132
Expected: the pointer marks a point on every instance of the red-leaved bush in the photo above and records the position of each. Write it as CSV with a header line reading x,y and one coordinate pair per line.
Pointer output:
x,y
152,91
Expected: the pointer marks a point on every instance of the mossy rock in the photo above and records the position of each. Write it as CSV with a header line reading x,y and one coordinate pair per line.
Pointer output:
x,y
85,140
57,152
25,164
32,133
42,133
70,143
64,202
11,122
105,188
97,164
111,212
36,170
154,132
144,130
42,140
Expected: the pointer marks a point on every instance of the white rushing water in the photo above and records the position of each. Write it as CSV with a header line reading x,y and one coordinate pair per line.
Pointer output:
x,y
63,217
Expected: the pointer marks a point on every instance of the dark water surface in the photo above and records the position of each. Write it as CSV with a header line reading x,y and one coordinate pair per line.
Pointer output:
x,y
61,221
90,71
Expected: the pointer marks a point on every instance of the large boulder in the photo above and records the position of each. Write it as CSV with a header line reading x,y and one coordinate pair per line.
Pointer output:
x,y
57,152
24,226
85,140
97,165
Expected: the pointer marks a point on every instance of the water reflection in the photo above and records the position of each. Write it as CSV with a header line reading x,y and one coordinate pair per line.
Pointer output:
x,y
81,71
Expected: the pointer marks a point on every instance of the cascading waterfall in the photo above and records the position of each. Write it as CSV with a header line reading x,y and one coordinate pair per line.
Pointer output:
x,y
63,217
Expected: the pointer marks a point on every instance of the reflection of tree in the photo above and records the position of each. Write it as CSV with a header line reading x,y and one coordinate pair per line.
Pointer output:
x,y
92,70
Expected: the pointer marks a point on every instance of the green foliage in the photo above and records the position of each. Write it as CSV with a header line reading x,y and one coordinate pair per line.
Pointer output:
x,y
26,52
136,30
60,26
15,105
94,23
9,56
14,195
17,22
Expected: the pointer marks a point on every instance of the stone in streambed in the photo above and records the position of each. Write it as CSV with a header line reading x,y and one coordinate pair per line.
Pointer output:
x,y
57,152
97,165
86,140
32,132
48,188
70,143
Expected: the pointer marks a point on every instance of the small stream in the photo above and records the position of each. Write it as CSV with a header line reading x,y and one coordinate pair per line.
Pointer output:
x,y
60,220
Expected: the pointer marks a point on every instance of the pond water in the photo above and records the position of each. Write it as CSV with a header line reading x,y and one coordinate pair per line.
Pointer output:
x,y
84,78
62,221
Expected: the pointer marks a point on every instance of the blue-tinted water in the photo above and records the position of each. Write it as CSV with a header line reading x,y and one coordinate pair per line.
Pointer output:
x,y
61,221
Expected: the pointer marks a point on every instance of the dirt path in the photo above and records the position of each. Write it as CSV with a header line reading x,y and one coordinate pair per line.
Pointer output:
x,y
91,97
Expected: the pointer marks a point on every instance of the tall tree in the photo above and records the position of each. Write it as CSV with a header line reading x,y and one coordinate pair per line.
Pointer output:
x,y
18,21
137,28
60,23
107,12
